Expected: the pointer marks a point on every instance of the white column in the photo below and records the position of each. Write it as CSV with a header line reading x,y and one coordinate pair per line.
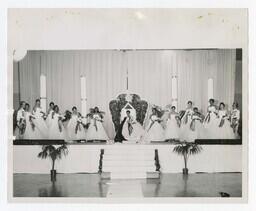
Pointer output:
x,y
175,92
43,92
83,96
210,89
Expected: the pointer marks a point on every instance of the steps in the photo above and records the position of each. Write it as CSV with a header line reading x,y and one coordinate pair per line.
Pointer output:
x,y
128,163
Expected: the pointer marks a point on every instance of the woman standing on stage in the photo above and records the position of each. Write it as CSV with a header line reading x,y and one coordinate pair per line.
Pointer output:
x,y
39,120
154,130
96,130
211,121
49,114
225,129
196,126
185,122
31,131
57,130
172,130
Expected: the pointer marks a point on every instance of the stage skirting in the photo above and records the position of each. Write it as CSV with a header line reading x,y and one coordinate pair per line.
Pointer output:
x,y
84,158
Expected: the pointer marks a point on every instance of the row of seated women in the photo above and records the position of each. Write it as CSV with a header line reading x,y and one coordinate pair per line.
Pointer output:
x,y
189,125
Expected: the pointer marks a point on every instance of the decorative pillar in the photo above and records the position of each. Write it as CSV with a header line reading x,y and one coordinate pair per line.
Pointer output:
x,y
175,92
83,96
43,92
210,89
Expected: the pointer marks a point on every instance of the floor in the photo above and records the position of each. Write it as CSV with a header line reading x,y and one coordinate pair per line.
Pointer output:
x,y
91,185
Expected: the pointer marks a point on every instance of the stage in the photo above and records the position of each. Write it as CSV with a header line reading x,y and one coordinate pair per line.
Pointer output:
x,y
85,157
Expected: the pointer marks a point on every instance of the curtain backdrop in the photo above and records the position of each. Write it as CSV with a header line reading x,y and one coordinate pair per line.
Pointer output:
x,y
149,74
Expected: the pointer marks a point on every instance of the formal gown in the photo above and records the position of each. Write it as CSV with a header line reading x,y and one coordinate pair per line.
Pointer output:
x,y
196,128
49,119
71,127
96,130
57,130
172,129
211,123
185,130
132,130
40,123
225,129
80,130
20,118
31,131
154,131
235,117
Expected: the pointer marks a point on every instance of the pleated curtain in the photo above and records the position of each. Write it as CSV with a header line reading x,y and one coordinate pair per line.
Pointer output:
x,y
149,74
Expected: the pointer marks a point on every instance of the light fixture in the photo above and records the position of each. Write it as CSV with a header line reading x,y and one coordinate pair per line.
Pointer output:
x,y
140,15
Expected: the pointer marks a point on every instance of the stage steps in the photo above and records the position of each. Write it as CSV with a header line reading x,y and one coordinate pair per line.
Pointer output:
x,y
129,163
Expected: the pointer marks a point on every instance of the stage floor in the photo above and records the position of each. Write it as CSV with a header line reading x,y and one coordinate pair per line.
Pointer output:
x,y
91,185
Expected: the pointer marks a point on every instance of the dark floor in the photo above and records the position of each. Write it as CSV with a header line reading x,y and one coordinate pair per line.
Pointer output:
x,y
91,185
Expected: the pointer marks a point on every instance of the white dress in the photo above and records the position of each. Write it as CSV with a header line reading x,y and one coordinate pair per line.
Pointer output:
x,y
185,131
154,131
30,131
80,134
40,123
225,129
235,117
71,127
20,121
211,124
132,130
57,130
49,119
96,130
172,128
196,128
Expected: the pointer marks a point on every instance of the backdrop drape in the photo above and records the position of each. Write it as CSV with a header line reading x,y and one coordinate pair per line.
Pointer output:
x,y
149,74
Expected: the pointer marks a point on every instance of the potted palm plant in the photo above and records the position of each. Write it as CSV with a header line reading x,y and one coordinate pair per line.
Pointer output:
x,y
186,149
54,153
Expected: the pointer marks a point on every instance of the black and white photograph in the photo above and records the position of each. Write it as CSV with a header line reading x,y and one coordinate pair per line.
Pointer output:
x,y
127,121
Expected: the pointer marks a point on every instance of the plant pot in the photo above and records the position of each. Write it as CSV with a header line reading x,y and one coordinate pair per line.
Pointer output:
x,y
185,171
53,175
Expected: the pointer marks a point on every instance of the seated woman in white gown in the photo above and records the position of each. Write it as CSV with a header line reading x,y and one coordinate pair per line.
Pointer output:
x,y
39,120
49,114
185,130
211,121
96,130
154,130
75,126
57,130
31,131
225,129
132,130
172,129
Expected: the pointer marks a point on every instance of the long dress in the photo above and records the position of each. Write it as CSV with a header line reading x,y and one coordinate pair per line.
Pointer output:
x,y
235,117
196,128
57,130
49,119
71,127
154,130
132,130
119,136
211,123
40,123
20,118
225,129
80,131
172,130
185,130
31,131
96,130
